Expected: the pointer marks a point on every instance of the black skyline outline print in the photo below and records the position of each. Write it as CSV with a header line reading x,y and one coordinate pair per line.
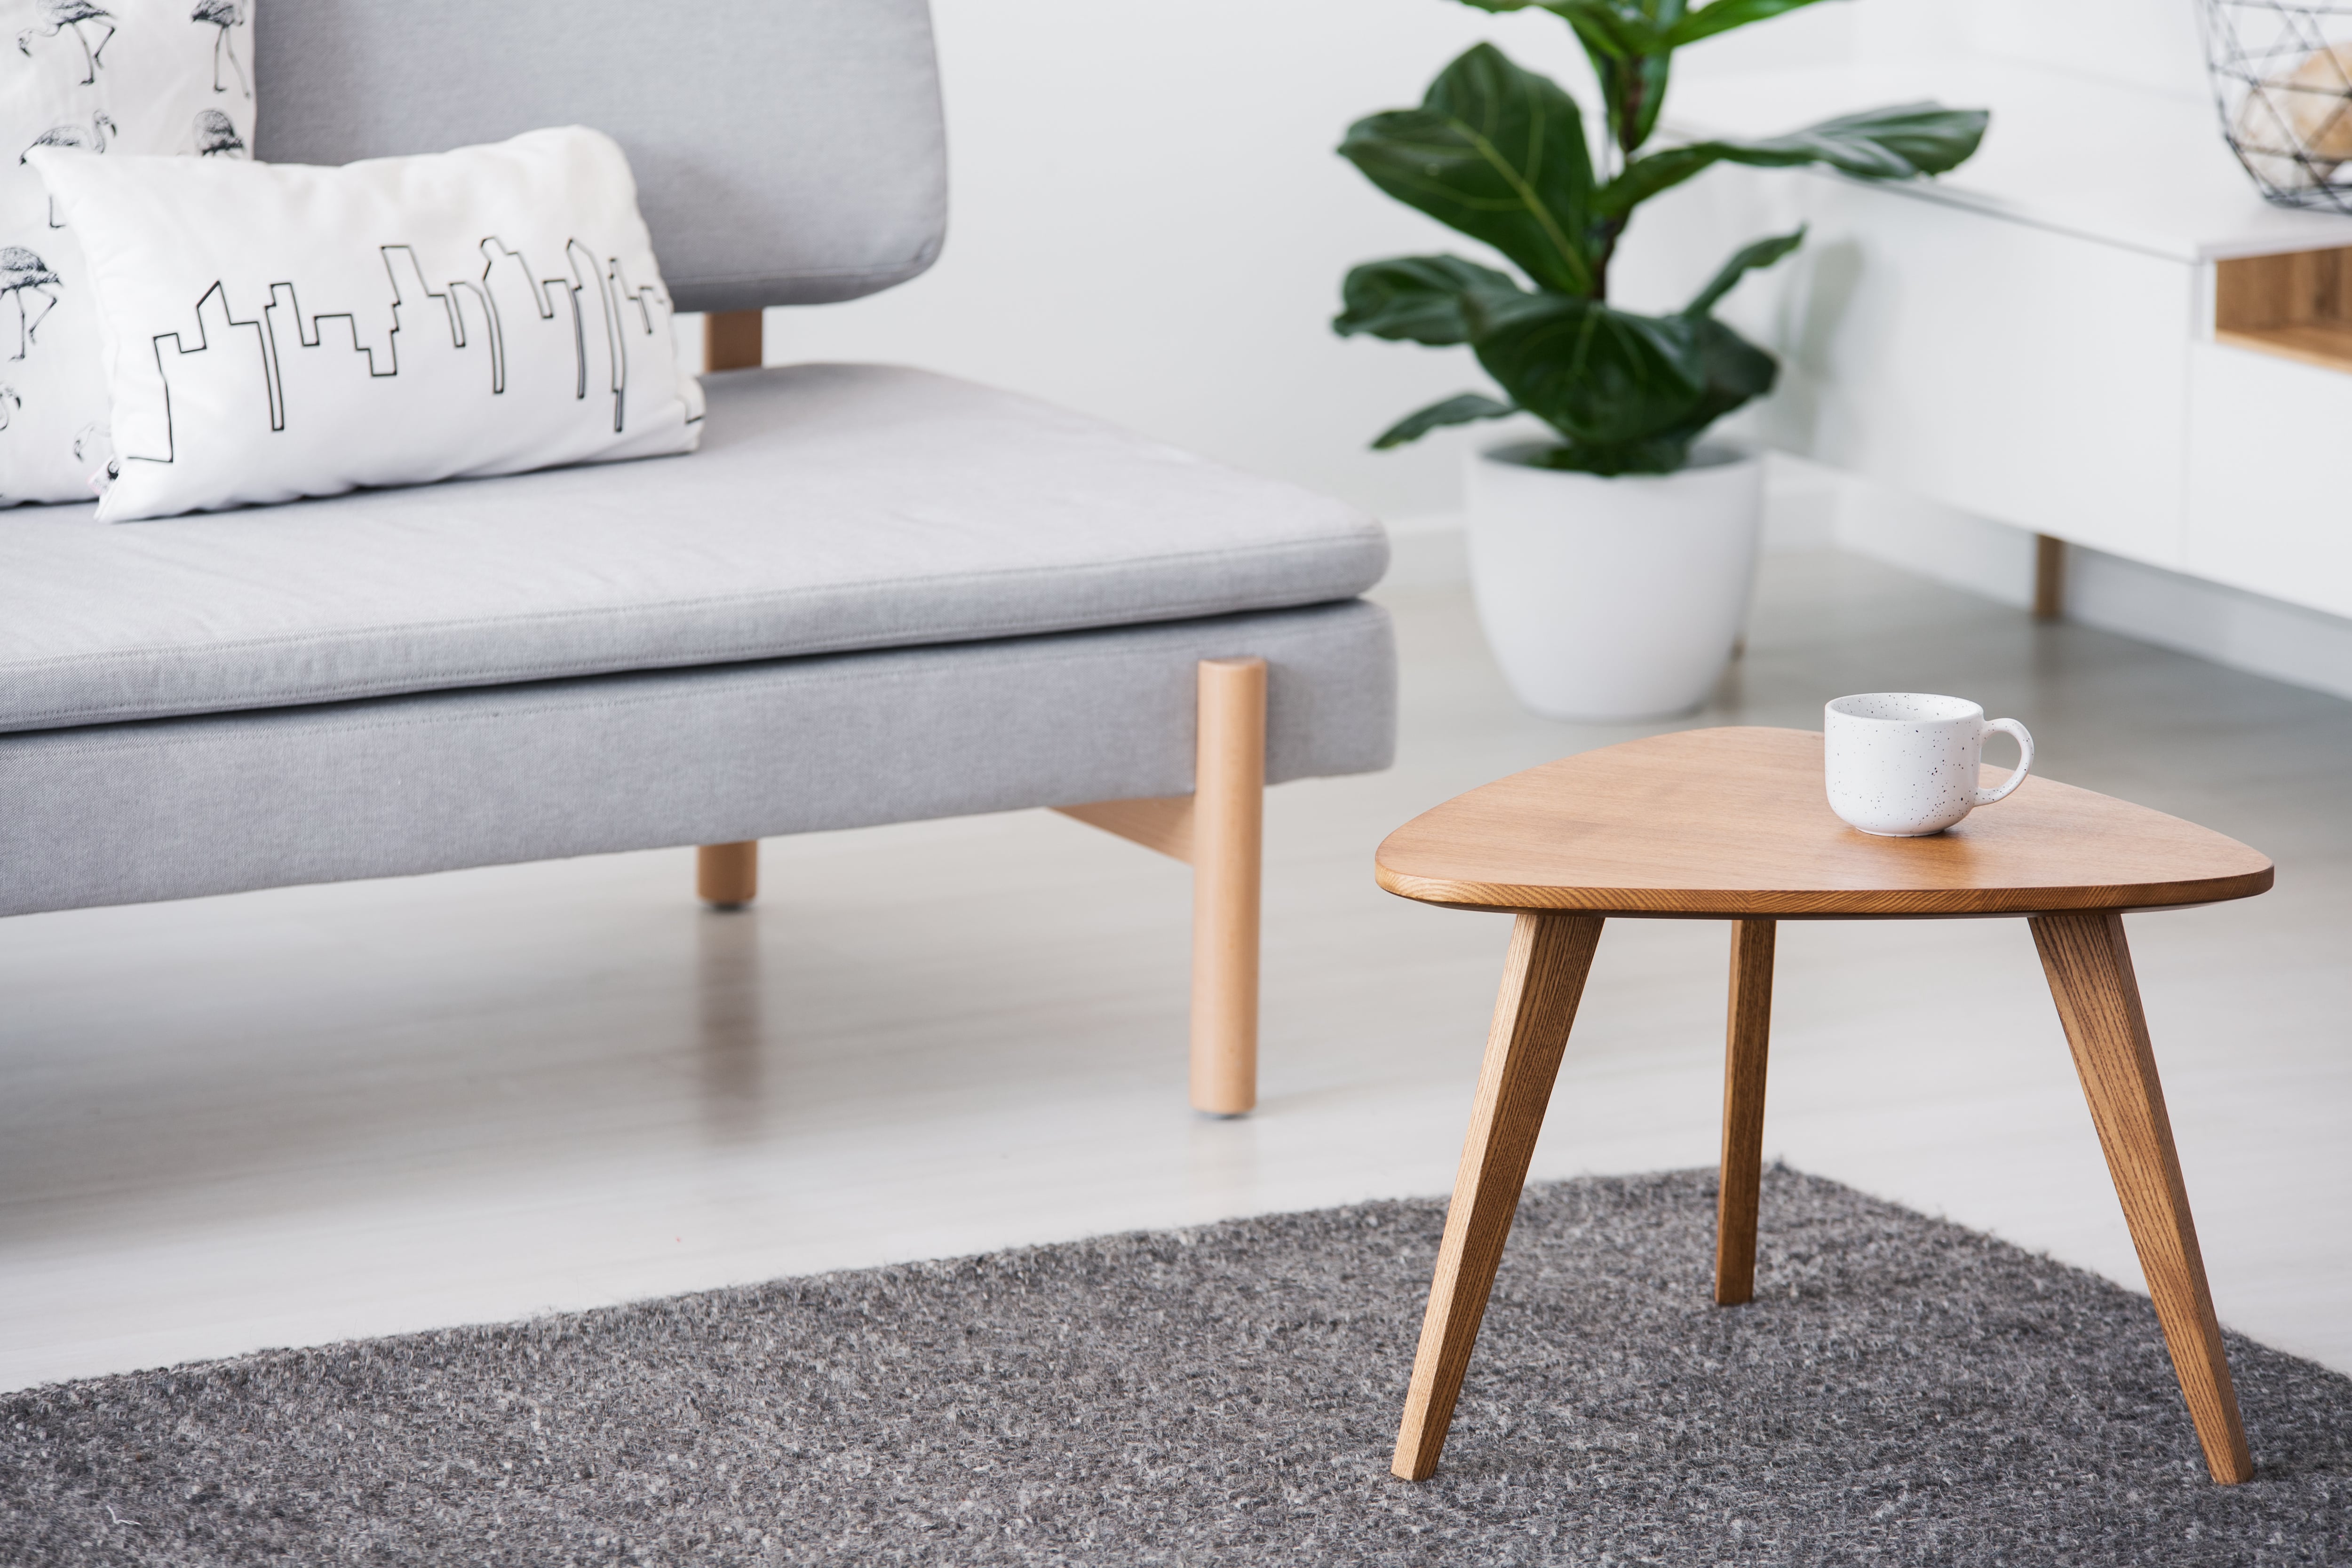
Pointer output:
x,y
64,15
607,280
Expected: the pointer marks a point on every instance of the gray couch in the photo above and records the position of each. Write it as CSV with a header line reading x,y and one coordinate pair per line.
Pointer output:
x,y
876,595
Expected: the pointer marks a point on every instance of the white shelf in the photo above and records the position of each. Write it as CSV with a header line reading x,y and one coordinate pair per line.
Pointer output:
x,y
2127,166
2030,338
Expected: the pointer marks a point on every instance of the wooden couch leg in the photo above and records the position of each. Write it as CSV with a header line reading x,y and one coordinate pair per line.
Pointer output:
x,y
1218,831
1228,830
733,340
727,877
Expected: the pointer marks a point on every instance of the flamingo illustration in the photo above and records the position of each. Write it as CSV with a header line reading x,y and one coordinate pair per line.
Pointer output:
x,y
20,269
94,138
9,403
63,14
224,15
216,136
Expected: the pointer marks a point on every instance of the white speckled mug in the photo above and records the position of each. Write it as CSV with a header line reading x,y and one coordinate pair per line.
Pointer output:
x,y
1902,765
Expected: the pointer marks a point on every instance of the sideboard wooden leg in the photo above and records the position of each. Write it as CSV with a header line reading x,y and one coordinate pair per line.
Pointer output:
x,y
1543,979
2090,970
2049,578
1748,1035
727,877
1227,847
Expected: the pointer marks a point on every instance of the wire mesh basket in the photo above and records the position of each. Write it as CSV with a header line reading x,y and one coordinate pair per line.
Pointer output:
x,y
2282,74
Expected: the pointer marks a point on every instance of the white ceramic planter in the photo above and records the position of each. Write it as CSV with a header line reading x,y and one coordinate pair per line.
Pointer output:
x,y
1613,598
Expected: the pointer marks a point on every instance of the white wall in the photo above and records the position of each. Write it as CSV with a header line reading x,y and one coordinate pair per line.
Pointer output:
x,y
2140,43
1148,222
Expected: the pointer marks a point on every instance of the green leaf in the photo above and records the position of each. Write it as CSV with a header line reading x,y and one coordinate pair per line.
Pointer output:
x,y
1735,370
1460,409
1420,298
1496,153
1629,393
1622,38
1750,258
1620,31
1899,142
1902,143
1666,454
1599,377
1652,71
1723,17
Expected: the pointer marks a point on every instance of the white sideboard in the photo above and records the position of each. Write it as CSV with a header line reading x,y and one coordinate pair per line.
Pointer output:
x,y
2032,338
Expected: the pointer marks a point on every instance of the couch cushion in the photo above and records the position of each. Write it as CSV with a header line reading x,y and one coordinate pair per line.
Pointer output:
x,y
398,786
832,507
787,152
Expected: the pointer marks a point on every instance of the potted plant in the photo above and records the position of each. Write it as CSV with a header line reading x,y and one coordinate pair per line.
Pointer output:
x,y
1613,566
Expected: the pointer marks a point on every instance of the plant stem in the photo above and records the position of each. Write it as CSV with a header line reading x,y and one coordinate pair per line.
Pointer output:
x,y
1607,248
1624,88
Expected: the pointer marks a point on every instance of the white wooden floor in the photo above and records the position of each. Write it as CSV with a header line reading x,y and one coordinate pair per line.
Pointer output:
x,y
296,1116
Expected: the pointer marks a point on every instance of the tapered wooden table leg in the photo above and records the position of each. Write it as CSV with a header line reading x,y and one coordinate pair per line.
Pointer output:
x,y
2089,972
1748,1034
1542,981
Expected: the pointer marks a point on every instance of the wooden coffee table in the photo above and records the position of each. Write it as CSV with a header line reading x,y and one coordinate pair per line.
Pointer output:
x,y
1734,825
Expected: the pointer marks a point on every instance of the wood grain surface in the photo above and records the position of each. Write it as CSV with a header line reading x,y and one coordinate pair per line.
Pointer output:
x,y
1227,847
1543,980
1161,822
2090,971
1736,822
1748,1036
2298,305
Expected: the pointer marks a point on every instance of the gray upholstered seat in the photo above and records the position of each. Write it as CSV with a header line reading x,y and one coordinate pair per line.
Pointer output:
x,y
875,595
833,508
393,786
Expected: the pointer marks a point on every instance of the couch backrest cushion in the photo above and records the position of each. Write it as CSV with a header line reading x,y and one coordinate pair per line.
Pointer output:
x,y
786,152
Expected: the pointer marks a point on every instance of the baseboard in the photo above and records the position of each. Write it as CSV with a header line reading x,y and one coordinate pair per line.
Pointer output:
x,y
2227,625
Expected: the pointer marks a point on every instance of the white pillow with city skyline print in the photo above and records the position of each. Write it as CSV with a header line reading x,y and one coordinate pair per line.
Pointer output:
x,y
159,76
280,330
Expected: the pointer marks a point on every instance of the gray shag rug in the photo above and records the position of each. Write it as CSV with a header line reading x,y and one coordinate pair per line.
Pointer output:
x,y
1901,1391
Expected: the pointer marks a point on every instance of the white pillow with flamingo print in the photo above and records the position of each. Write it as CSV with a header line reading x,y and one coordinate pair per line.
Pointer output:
x,y
111,77
277,331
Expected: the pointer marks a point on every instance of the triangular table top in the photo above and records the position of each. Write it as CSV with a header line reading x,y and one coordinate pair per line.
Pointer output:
x,y
1730,822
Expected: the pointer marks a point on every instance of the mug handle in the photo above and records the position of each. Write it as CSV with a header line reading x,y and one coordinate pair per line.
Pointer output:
x,y
2017,731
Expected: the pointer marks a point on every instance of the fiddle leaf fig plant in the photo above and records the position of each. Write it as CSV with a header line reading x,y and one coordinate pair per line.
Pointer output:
x,y
1499,154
